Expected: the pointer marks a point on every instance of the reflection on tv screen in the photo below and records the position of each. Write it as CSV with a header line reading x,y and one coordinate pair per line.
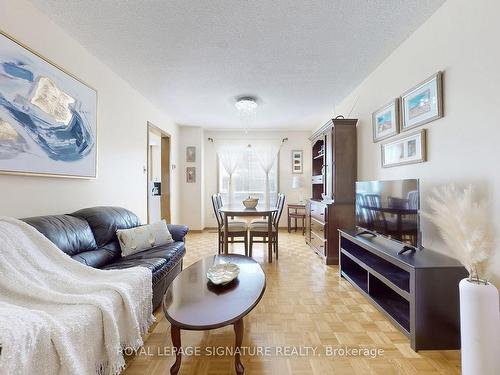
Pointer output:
x,y
389,208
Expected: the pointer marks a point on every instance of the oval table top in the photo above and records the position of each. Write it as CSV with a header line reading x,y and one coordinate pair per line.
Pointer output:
x,y
192,302
241,210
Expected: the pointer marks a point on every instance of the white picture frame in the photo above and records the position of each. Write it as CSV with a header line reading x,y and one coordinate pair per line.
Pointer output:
x,y
407,149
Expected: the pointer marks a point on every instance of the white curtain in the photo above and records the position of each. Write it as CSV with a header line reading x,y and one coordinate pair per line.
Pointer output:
x,y
230,154
266,152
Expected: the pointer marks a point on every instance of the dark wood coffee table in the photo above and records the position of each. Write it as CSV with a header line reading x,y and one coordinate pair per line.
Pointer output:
x,y
192,302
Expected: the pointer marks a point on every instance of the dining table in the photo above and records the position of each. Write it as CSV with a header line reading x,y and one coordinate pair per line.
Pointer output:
x,y
266,211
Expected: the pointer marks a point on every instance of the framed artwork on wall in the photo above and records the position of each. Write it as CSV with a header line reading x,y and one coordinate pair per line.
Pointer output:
x,y
385,121
48,117
191,154
422,103
407,149
191,175
297,161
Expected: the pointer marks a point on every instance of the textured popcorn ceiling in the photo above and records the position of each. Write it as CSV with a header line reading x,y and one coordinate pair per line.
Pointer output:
x,y
192,58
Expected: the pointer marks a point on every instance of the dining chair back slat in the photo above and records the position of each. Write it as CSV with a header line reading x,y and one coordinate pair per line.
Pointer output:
x,y
220,204
280,205
218,215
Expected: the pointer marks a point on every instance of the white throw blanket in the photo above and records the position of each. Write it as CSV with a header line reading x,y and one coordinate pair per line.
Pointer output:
x,y
58,316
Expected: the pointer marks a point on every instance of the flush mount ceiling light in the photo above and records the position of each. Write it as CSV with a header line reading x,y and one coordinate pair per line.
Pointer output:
x,y
246,106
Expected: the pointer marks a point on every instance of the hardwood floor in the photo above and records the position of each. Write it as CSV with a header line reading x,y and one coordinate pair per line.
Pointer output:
x,y
306,307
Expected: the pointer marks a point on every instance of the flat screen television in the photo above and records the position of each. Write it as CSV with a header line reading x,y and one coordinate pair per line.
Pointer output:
x,y
389,209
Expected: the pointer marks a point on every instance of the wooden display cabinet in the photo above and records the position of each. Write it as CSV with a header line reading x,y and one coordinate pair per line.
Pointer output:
x,y
332,204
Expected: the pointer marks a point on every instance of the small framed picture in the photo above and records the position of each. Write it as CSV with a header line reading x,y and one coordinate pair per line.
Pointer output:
x,y
191,175
297,161
386,121
423,103
408,149
191,154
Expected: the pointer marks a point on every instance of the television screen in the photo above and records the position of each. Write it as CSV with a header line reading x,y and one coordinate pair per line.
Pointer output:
x,y
389,208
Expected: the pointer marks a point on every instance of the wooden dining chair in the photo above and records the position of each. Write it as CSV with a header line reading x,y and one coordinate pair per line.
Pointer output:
x,y
236,228
263,219
259,228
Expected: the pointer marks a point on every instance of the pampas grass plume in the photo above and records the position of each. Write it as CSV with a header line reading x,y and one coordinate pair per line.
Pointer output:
x,y
464,225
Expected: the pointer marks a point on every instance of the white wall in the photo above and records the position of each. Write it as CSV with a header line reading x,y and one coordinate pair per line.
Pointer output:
x,y
297,140
191,194
461,39
122,127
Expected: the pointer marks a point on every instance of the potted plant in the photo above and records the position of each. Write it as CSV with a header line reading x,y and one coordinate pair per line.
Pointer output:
x,y
467,230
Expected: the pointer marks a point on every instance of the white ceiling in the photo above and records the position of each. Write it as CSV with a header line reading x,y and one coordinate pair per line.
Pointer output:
x,y
192,58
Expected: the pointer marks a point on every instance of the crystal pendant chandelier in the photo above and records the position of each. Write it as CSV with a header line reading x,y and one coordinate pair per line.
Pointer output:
x,y
247,107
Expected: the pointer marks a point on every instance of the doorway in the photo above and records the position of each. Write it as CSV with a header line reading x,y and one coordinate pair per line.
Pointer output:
x,y
158,174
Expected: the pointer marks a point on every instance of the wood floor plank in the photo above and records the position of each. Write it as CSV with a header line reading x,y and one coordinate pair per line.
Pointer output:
x,y
305,304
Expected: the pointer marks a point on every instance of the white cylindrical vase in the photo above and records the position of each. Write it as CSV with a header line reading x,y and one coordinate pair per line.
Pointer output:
x,y
479,328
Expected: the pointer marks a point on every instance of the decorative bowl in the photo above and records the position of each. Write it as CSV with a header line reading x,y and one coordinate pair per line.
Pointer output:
x,y
251,202
222,274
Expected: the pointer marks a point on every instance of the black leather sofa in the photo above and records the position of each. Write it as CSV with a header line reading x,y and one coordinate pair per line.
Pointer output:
x,y
89,236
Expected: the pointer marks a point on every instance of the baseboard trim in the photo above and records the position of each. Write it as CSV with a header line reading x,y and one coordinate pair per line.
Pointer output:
x,y
281,229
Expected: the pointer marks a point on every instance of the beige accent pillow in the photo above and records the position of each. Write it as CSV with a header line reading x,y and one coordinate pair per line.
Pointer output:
x,y
145,237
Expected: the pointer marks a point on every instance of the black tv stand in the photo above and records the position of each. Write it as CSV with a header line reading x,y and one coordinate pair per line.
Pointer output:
x,y
416,291
366,232
405,249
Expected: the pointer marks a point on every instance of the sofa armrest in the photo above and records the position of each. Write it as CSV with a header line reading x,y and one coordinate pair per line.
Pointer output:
x,y
177,231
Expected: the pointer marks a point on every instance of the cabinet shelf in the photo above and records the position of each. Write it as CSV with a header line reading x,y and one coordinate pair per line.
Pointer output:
x,y
319,156
394,277
392,303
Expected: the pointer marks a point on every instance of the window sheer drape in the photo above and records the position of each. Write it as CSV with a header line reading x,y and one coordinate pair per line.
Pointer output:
x,y
232,153
266,152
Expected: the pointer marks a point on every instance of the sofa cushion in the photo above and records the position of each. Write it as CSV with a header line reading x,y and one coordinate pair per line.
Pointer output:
x,y
70,234
154,264
168,252
99,257
171,254
105,221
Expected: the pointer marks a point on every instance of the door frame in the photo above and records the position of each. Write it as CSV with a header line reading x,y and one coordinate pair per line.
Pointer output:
x,y
166,171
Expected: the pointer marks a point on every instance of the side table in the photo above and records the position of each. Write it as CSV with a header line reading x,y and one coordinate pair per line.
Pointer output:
x,y
296,211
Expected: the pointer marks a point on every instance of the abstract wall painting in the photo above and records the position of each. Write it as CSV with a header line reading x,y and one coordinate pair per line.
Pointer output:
x,y
48,118
423,103
386,121
407,149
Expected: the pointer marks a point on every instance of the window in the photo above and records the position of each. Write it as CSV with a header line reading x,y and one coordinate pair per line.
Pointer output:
x,y
249,179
